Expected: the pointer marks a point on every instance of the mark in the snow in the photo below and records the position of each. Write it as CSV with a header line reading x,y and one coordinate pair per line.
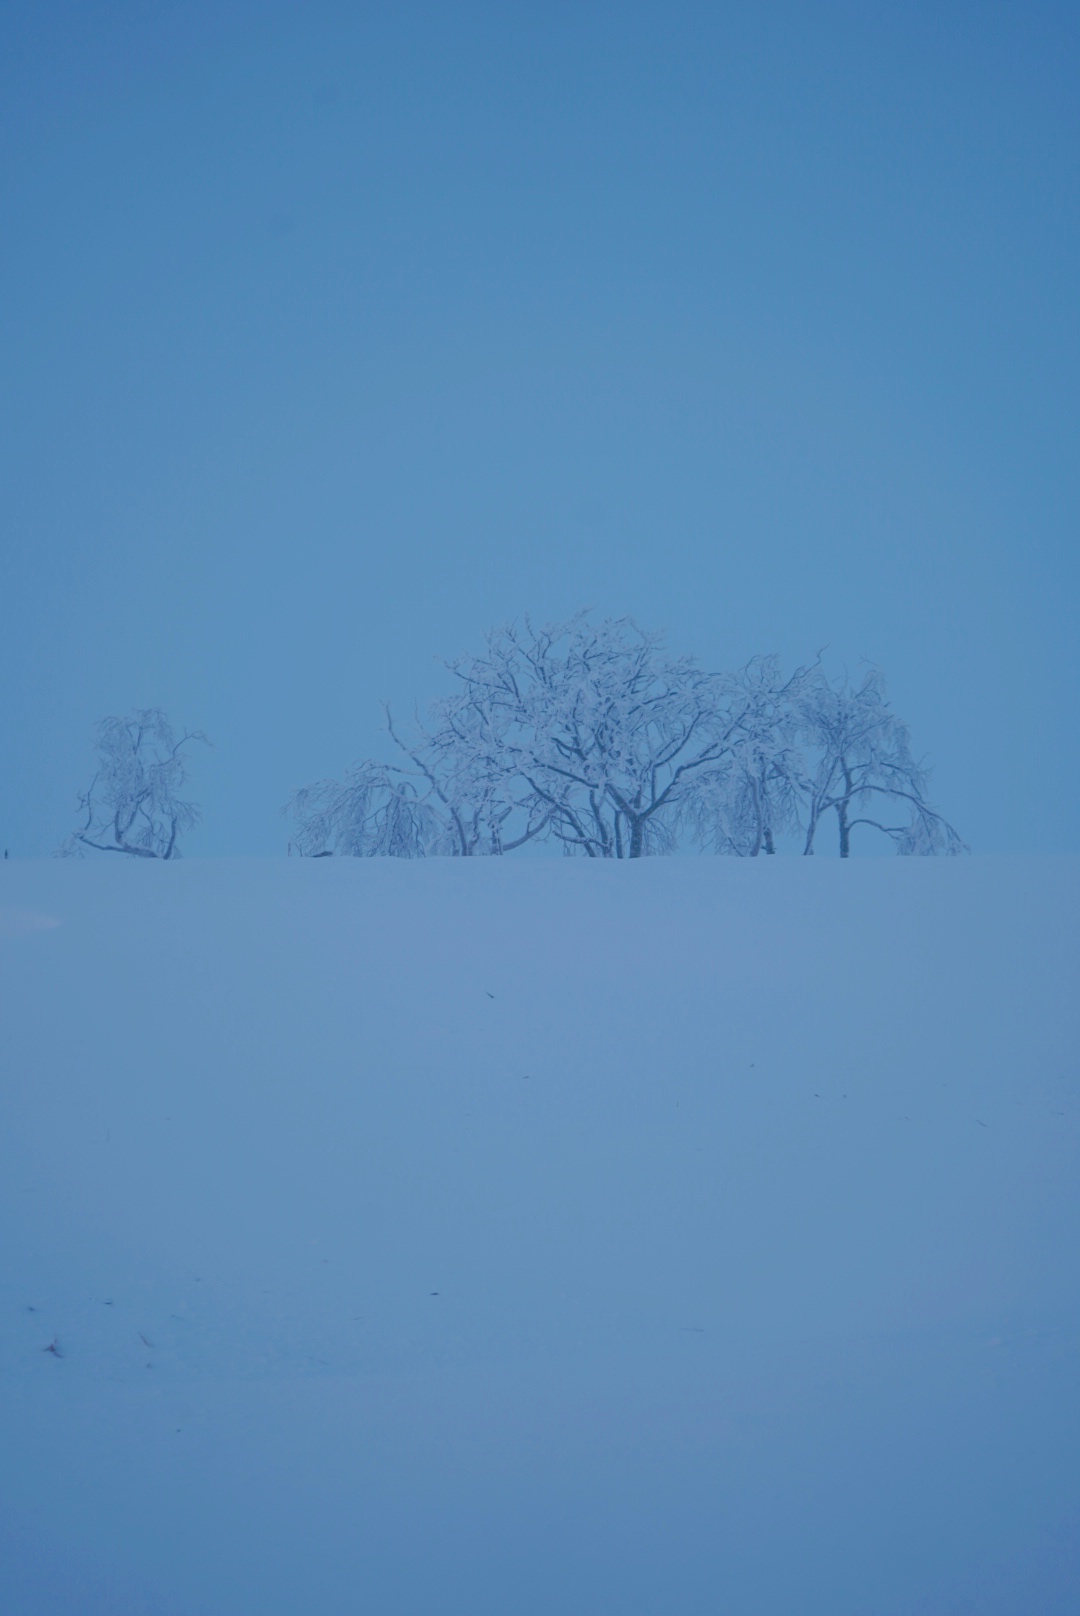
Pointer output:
x,y
20,922
54,1348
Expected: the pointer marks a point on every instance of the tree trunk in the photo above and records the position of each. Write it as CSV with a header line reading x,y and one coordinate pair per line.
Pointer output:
x,y
845,829
637,838
842,811
759,820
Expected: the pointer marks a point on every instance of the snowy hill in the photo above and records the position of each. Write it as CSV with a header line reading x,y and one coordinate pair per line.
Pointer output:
x,y
540,1238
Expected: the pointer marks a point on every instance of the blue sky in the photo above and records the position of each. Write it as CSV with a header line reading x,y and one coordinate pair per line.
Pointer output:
x,y
334,334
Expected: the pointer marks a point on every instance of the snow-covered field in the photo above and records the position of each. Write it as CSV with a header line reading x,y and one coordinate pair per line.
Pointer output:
x,y
696,1237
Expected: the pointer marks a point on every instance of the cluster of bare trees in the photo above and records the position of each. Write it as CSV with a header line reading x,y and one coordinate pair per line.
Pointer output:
x,y
589,735
592,736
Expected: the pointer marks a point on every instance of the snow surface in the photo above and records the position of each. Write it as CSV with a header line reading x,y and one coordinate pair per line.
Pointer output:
x,y
540,1238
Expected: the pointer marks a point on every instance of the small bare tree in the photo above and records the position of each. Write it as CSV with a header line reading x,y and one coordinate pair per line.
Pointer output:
x,y
133,804
447,798
863,766
376,811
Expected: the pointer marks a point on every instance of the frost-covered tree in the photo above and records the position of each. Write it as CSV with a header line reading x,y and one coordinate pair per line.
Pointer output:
x,y
604,735
592,735
863,768
486,807
444,799
751,796
374,811
133,803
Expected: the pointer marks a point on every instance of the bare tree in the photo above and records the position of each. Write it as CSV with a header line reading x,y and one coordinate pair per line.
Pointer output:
x,y
374,811
602,732
446,799
743,803
863,762
133,804
486,808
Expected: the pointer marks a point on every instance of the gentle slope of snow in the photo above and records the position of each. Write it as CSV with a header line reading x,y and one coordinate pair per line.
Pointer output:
x,y
534,1237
